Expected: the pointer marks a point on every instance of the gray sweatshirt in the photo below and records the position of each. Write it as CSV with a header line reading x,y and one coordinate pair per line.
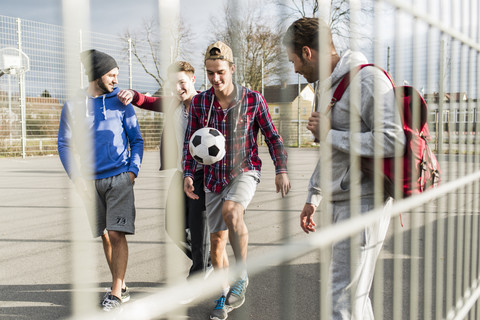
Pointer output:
x,y
372,83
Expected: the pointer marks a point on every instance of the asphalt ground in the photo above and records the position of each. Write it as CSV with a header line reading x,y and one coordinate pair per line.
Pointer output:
x,y
36,244
38,223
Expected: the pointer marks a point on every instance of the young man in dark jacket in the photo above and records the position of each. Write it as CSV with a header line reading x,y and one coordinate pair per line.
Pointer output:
x,y
190,230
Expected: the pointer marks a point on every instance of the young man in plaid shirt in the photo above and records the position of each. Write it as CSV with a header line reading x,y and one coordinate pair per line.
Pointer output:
x,y
239,114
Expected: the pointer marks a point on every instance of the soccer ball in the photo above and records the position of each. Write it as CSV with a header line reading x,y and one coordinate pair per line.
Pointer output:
x,y
207,146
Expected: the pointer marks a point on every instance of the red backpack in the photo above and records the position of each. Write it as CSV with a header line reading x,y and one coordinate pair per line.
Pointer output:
x,y
421,170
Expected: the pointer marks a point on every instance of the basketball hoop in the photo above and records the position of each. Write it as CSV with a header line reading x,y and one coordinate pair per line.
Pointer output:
x,y
13,61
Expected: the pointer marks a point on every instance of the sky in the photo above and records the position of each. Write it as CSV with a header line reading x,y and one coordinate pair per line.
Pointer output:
x,y
110,16
47,11
116,16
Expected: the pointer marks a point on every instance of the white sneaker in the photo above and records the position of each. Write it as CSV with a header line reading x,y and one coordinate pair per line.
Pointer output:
x,y
208,272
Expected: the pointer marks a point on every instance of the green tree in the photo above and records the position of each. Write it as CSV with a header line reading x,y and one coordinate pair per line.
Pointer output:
x,y
45,94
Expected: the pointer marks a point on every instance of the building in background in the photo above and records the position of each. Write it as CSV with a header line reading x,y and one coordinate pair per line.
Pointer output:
x,y
290,111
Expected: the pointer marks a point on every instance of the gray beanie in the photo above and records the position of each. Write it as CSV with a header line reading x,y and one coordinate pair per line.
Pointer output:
x,y
97,63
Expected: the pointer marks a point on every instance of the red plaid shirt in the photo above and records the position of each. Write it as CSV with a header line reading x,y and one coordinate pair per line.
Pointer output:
x,y
239,123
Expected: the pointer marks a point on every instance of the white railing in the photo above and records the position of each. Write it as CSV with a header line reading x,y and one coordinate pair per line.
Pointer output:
x,y
429,268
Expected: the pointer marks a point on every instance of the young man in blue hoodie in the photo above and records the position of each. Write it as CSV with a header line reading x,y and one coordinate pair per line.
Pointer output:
x,y
117,146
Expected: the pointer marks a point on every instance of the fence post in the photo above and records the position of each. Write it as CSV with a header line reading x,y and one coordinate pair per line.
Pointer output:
x,y
263,84
80,44
76,15
298,113
130,65
9,96
441,94
205,80
21,88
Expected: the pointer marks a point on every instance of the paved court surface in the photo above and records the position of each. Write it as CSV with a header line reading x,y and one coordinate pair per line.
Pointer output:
x,y
36,239
38,221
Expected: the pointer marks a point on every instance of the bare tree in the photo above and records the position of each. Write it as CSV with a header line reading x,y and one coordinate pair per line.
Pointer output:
x,y
338,17
146,46
298,8
252,42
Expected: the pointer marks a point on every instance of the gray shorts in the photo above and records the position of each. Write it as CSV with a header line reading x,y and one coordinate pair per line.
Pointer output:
x,y
240,190
115,205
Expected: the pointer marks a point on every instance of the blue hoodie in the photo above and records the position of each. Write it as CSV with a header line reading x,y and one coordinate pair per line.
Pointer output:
x,y
113,128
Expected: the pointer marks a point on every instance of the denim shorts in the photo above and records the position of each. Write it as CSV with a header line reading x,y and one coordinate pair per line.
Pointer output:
x,y
240,190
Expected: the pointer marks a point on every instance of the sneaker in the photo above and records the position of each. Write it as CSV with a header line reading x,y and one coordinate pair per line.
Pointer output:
x,y
110,303
208,272
220,310
125,294
236,295
105,296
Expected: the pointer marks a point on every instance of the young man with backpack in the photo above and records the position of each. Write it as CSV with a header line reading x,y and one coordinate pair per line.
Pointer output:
x,y
330,124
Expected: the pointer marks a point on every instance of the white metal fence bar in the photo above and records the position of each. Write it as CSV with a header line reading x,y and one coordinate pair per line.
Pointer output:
x,y
458,234
442,238
76,15
169,298
409,8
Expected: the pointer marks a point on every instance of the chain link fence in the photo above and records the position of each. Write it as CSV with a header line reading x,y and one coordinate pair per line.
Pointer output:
x,y
429,268
45,85
46,89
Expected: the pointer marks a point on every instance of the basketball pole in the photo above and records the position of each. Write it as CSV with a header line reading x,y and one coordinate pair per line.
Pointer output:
x,y
21,89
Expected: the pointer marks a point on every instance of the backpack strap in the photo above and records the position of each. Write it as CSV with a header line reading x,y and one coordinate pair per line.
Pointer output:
x,y
345,82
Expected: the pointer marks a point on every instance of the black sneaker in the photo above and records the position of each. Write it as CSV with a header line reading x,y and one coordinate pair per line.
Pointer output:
x,y
110,303
236,295
220,310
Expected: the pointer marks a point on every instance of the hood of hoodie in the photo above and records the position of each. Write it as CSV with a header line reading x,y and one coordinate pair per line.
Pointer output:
x,y
102,100
340,165
347,61
109,95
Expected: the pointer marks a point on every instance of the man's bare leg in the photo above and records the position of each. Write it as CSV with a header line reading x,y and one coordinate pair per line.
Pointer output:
x,y
119,260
